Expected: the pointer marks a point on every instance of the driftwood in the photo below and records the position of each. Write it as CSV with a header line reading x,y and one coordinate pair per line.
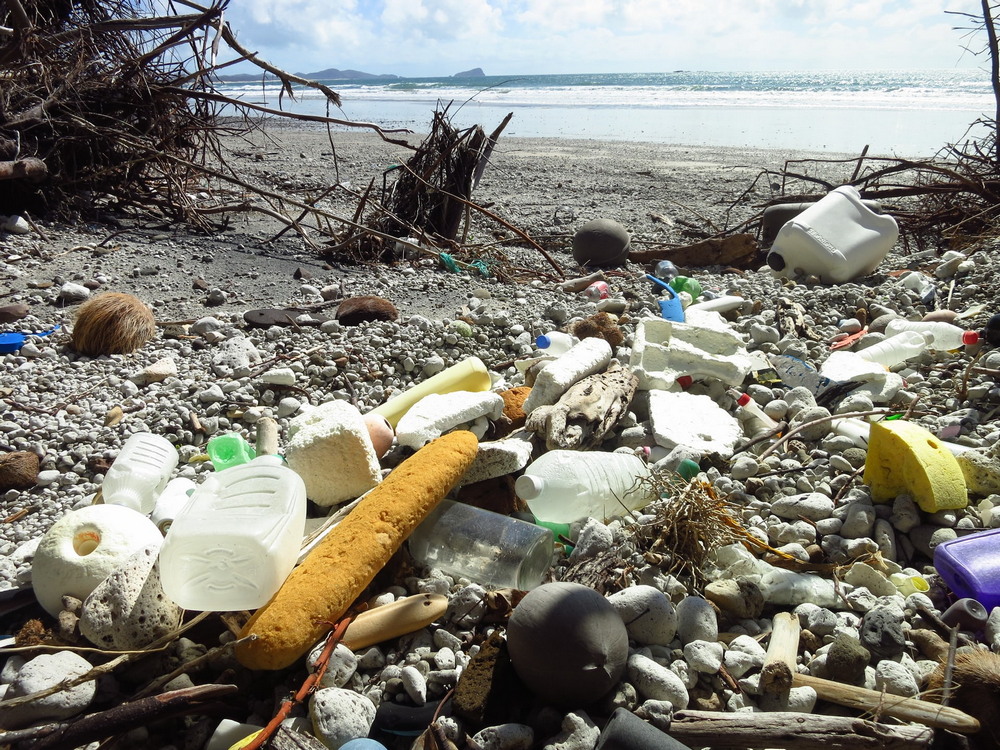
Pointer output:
x,y
793,731
588,412
874,702
779,664
122,718
737,250
30,168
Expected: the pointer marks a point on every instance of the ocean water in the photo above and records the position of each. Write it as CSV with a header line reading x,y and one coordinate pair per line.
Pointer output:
x,y
911,113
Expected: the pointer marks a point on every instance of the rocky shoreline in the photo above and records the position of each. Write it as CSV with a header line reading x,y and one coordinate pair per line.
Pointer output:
x,y
804,497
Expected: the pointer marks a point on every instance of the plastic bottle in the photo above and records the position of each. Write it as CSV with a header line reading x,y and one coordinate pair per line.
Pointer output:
x,y
563,486
896,349
171,501
468,375
237,538
943,335
486,547
838,238
755,421
140,472
556,342
970,565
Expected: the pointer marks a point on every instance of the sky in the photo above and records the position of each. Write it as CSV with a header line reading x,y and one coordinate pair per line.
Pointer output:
x,y
418,38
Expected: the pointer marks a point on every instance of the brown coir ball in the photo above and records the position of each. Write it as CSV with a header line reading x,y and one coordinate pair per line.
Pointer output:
x,y
112,323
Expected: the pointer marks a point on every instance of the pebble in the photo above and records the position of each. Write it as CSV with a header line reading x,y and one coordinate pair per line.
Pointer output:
x,y
505,737
578,733
696,620
339,715
648,614
654,681
41,673
704,656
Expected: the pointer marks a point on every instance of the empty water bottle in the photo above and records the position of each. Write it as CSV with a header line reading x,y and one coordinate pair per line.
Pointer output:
x,y
562,486
895,349
140,472
556,342
943,335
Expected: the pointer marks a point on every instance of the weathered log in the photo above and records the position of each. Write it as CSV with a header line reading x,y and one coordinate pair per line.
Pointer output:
x,y
738,250
874,702
122,718
779,664
28,168
793,731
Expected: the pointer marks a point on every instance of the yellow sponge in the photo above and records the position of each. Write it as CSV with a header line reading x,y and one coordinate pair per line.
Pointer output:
x,y
337,570
904,457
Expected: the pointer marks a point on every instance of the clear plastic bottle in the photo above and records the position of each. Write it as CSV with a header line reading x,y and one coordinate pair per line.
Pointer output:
x,y
563,486
755,421
896,349
237,539
489,548
944,335
556,342
140,472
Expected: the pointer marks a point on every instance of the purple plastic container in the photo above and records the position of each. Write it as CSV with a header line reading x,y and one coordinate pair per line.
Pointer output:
x,y
970,565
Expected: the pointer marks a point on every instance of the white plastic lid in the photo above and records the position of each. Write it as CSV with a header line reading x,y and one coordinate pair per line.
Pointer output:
x,y
528,487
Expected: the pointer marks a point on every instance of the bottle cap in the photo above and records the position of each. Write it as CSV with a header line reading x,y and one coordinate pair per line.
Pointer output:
x,y
543,342
528,487
684,381
743,400
970,337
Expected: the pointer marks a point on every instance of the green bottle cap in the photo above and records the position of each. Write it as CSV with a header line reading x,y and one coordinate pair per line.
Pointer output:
x,y
688,469
228,450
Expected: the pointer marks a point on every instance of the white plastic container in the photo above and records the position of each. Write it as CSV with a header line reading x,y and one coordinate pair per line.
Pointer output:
x,y
140,472
556,342
943,335
563,486
896,349
234,543
838,238
171,501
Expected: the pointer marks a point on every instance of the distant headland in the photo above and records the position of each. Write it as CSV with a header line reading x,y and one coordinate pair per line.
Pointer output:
x,y
334,74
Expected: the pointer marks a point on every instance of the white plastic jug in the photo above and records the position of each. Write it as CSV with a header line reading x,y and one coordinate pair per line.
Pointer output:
x,y
838,238
140,472
563,486
235,542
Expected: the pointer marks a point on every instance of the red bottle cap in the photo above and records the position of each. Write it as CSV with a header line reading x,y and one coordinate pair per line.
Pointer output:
x,y
970,337
743,400
684,381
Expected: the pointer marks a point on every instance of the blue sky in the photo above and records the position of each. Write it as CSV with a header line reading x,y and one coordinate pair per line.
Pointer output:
x,y
441,37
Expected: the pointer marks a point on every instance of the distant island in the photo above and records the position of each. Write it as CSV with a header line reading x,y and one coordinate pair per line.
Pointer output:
x,y
329,74
334,74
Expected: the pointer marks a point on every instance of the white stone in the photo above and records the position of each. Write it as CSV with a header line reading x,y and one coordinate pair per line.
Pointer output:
x,y
895,679
41,673
648,614
800,700
234,355
812,505
279,376
704,656
498,458
505,737
15,224
652,680
415,684
157,372
694,421
578,733
72,293
339,715
339,669
128,610
696,620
